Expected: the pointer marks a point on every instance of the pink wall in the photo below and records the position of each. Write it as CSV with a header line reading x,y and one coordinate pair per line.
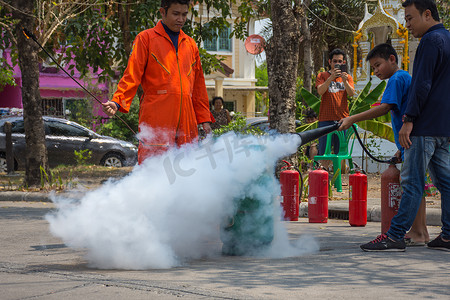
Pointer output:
x,y
53,85
11,96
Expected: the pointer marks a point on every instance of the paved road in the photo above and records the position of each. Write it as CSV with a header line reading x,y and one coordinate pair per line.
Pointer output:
x,y
35,265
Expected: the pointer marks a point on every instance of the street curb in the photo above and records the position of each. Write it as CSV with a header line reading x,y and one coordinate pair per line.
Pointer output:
x,y
25,196
339,210
37,196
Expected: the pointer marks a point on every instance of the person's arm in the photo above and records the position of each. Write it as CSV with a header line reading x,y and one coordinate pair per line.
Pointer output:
x,y
228,116
323,87
131,79
369,114
424,65
348,84
200,100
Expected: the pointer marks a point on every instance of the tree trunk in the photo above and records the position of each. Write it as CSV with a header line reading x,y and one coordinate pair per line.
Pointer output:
x,y
282,66
123,12
308,67
36,154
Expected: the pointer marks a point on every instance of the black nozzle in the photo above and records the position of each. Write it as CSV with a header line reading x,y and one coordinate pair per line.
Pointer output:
x,y
394,160
28,33
313,134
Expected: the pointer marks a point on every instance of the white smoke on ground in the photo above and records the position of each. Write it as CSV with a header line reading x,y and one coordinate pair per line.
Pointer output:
x,y
169,210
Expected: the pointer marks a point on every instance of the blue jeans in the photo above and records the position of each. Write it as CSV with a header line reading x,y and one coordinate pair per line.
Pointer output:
x,y
425,152
323,140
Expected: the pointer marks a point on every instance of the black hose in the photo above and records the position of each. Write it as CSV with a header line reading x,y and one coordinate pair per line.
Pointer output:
x,y
301,183
394,160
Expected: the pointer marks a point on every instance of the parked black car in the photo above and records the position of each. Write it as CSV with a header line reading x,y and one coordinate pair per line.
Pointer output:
x,y
62,138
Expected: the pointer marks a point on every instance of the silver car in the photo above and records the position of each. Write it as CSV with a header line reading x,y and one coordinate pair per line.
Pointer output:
x,y
62,138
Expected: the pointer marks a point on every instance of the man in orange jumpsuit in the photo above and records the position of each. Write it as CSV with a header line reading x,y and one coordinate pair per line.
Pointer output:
x,y
166,62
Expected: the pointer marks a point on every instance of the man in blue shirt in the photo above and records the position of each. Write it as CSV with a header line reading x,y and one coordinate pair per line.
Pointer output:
x,y
425,133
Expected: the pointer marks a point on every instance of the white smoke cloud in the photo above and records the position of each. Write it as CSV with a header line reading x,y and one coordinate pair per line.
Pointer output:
x,y
170,209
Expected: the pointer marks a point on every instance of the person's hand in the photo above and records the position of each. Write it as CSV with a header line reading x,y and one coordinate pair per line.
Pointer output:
x,y
398,155
344,76
109,108
207,127
403,135
345,123
335,73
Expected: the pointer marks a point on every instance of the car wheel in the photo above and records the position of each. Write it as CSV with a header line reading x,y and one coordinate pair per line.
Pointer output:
x,y
113,160
3,163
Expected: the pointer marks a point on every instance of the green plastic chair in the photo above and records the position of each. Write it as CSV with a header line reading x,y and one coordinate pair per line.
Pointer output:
x,y
343,153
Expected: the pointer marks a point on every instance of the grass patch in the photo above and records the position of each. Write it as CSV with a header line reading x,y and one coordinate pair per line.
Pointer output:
x,y
63,177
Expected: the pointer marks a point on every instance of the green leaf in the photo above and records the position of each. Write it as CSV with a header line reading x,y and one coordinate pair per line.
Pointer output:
x,y
361,96
366,102
311,100
379,129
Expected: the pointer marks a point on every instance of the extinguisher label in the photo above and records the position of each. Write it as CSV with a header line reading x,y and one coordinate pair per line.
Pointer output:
x,y
313,200
395,195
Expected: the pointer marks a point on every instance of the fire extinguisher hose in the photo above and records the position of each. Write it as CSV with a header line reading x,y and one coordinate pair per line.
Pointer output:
x,y
392,161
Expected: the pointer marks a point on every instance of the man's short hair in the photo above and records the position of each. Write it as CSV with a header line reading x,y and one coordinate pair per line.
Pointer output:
x,y
423,5
336,51
167,3
382,50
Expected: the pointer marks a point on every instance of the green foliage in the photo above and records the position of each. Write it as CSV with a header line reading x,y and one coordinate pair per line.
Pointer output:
x,y
80,111
444,8
116,128
54,180
364,101
82,156
239,126
311,100
210,62
6,75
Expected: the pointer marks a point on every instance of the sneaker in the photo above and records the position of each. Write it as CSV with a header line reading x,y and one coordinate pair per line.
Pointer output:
x,y
384,243
439,244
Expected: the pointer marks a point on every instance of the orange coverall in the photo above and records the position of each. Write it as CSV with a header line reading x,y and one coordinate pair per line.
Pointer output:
x,y
175,98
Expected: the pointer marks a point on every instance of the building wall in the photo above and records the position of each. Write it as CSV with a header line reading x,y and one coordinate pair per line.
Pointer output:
x,y
54,85
237,86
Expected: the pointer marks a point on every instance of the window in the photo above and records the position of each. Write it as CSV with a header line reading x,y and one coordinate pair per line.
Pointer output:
x,y
52,107
220,42
62,129
16,127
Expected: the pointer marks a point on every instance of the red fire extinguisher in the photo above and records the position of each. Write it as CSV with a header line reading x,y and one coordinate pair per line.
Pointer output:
x,y
318,196
289,180
357,208
391,195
